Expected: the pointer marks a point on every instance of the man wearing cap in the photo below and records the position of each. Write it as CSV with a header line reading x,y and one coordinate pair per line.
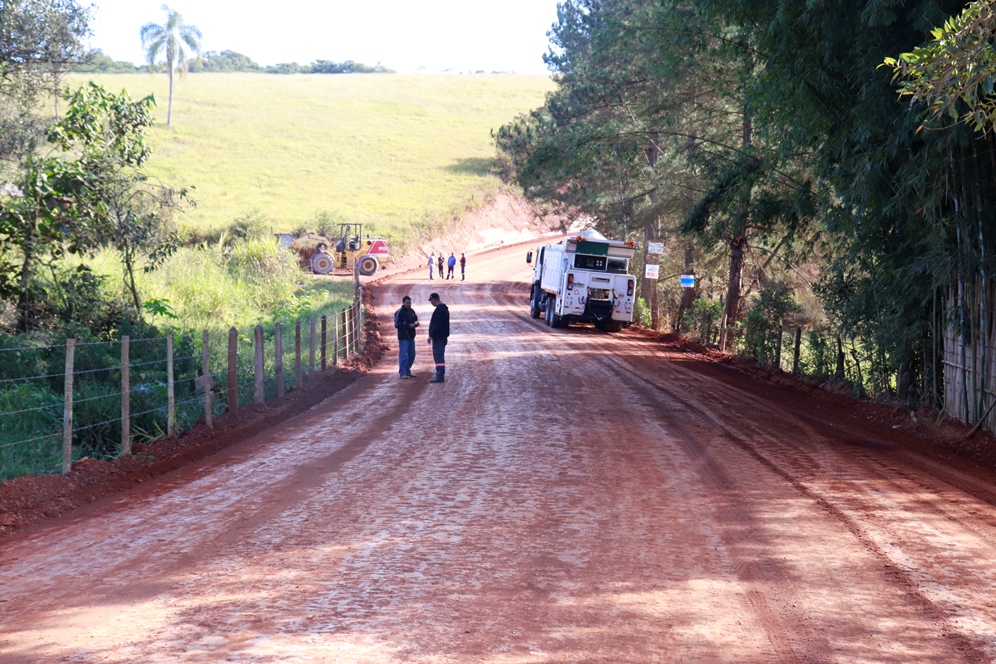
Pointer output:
x,y
439,332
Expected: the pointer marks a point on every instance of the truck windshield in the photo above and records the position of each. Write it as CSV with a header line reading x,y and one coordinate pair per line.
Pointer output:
x,y
617,265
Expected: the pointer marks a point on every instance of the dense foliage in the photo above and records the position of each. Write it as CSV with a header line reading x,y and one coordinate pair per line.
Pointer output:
x,y
39,40
769,133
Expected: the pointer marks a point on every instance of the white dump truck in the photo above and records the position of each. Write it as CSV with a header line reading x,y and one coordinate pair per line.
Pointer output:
x,y
585,278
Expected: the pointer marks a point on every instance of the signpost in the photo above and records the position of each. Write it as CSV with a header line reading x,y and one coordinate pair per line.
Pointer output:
x,y
652,271
688,281
655,248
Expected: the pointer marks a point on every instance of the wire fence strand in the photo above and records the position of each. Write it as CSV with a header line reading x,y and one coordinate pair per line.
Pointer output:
x,y
98,421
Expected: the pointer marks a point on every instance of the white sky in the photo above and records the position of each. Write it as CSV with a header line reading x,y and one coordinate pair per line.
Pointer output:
x,y
403,35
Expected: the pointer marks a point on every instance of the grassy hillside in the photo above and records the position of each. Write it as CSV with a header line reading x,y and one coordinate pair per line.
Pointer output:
x,y
391,150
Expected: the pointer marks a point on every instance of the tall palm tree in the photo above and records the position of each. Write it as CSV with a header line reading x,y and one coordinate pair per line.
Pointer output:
x,y
169,39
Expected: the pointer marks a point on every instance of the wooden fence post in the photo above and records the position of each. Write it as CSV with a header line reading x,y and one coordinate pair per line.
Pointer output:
x,y
67,409
347,325
311,346
357,326
233,370
208,379
125,395
798,346
278,358
170,391
259,390
324,342
298,374
335,341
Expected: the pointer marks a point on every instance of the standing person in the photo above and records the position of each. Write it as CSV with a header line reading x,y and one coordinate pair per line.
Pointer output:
x,y
441,266
450,263
439,332
406,321
432,263
463,266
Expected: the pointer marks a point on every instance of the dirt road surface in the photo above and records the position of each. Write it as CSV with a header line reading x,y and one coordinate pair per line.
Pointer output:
x,y
565,496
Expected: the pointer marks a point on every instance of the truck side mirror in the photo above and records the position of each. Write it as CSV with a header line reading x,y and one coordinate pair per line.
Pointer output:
x,y
529,257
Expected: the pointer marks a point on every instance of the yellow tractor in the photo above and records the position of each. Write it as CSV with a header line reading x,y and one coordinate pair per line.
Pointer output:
x,y
352,248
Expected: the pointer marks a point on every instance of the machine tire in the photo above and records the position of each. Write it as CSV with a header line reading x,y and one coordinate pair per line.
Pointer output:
x,y
612,326
534,309
321,263
367,265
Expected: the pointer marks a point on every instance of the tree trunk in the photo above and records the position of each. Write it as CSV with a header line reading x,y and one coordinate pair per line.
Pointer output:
x,y
129,264
651,233
169,105
24,297
737,244
731,314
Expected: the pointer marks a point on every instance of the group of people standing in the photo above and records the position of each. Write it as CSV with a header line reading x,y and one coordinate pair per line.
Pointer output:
x,y
406,322
449,264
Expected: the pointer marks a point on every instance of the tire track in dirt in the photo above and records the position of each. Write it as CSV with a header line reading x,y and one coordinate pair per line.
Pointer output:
x,y
564,496
782,458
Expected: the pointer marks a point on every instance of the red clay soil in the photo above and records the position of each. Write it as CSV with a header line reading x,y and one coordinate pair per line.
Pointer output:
x,y
564,496
27,500
930,432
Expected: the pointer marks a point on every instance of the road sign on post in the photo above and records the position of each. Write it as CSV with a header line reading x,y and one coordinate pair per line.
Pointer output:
x,y
652,271
688,281
655,248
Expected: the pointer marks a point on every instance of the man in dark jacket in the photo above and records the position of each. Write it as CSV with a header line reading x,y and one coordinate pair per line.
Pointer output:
x,y
406,321
439,332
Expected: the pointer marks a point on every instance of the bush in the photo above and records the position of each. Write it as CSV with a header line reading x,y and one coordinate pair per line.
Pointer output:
x,y
704,319
641,313
763,322
821,359
31,439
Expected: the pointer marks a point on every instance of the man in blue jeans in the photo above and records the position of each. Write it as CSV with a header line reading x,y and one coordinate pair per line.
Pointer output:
x,y
406,322
439,332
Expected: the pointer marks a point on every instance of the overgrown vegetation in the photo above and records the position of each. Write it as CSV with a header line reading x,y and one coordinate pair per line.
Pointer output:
x,y
769,135
89,250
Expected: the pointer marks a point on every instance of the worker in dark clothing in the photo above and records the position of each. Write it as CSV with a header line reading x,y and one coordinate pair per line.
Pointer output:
x,y
406,321
463,266
439,332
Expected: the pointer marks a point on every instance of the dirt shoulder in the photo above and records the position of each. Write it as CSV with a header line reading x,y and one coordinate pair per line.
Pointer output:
x,y
925,429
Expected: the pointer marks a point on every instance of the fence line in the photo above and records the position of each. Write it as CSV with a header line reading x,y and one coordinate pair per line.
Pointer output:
x,y
168,393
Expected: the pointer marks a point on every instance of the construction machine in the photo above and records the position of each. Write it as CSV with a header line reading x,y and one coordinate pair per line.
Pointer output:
x,y
352,248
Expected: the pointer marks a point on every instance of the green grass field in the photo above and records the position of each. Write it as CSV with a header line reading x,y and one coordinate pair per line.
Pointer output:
x,y
388,150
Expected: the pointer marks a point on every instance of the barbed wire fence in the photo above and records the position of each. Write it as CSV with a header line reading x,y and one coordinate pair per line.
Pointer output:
x,y
59,403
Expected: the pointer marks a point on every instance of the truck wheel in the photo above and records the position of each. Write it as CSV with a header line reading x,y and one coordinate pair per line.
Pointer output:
x,y
368,266
553,320
321,263
612,326
534,310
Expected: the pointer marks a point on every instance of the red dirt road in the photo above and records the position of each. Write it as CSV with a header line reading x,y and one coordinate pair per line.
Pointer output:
x,y
566,496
